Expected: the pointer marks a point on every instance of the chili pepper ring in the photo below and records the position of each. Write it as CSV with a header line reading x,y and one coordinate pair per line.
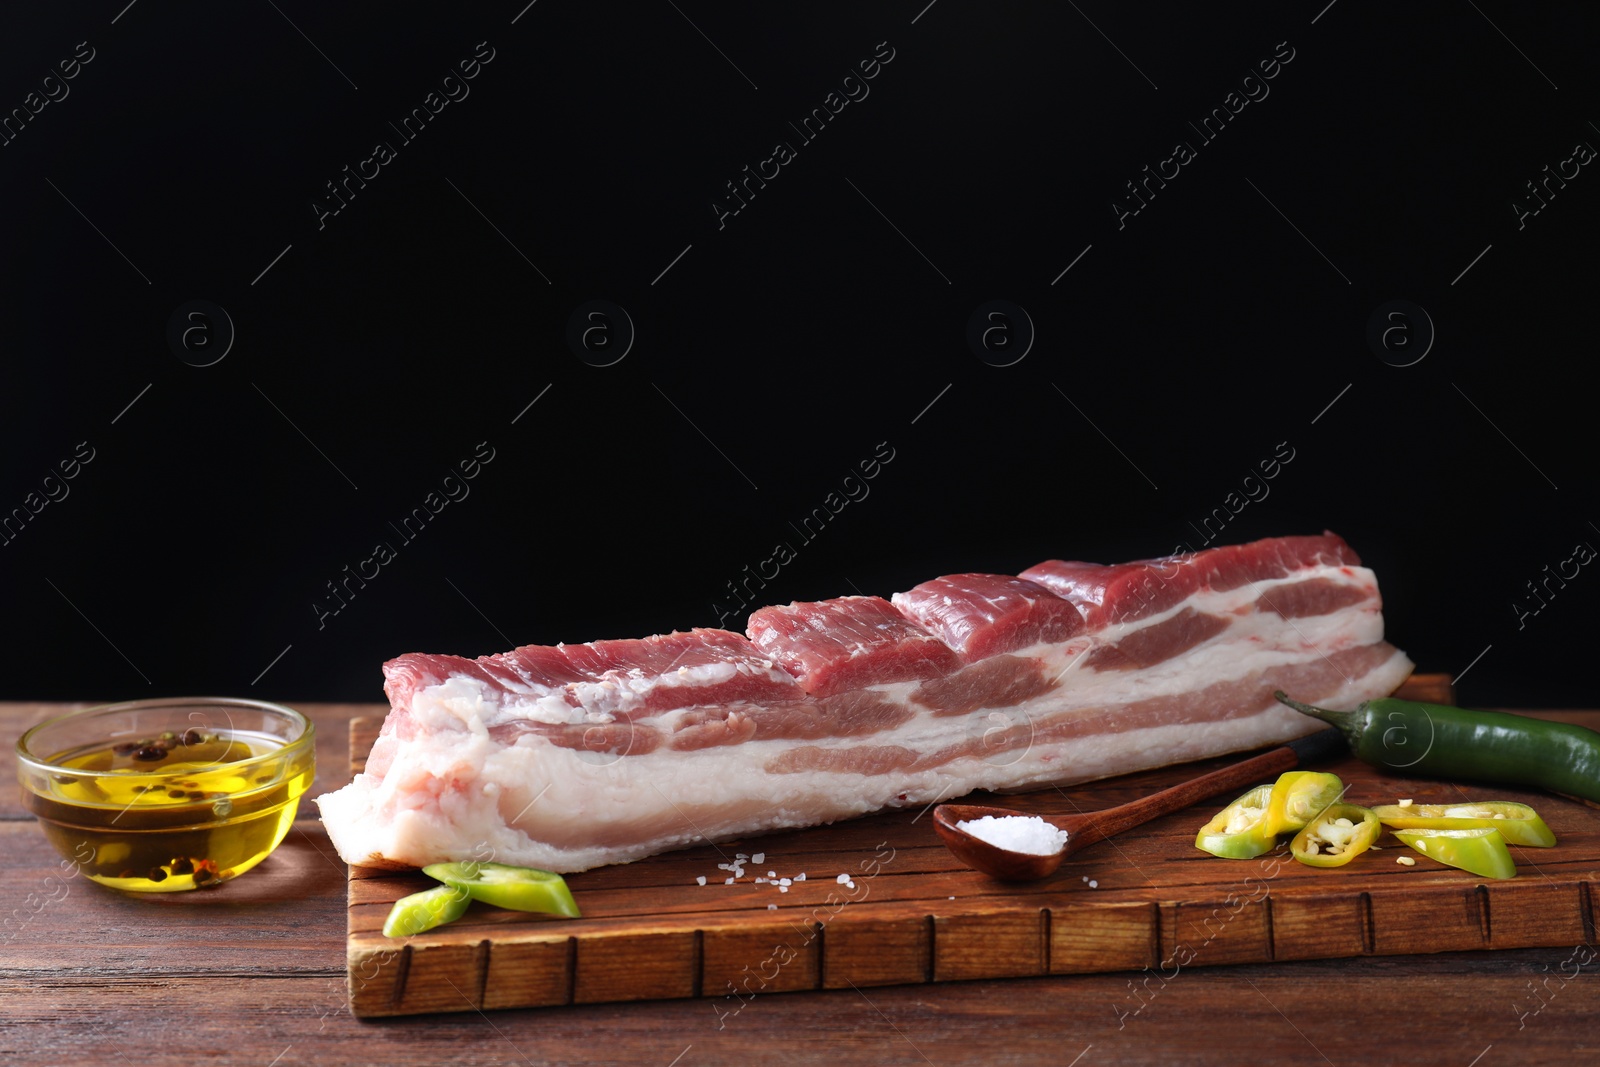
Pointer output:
x,y
1450,742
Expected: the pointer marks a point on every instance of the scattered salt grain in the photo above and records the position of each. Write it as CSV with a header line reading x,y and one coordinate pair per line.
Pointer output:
x,y
842,879
759,857
800,877
783,889
1028,834
1093,884
727,881
700,880
787,881
772,907
772,874
760,880
1086,878
1407,860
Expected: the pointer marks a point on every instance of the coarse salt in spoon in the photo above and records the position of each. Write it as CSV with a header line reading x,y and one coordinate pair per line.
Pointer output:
x,y
1017,833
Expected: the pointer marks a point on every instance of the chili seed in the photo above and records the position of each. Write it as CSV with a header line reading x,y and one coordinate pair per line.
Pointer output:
x,y
176,794
182,865
127,748
195,794
202,876
157,874
149,753
192,737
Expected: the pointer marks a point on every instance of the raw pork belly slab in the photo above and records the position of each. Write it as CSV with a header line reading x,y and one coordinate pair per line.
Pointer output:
x,y
574,756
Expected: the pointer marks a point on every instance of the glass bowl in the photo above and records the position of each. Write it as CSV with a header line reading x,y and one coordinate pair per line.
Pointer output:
x,y
158,796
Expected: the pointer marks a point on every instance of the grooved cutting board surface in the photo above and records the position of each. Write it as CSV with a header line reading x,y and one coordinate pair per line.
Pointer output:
x,y
911,913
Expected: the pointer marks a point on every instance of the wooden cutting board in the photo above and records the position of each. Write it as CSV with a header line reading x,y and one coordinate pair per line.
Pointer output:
x,y
1147,902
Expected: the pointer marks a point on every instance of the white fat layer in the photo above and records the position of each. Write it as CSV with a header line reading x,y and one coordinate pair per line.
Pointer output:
x,y
463,702
1253,641
621,693
1221,603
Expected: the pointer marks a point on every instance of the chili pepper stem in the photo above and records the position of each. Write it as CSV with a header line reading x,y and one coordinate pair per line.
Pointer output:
x,y
1341,719
1349,723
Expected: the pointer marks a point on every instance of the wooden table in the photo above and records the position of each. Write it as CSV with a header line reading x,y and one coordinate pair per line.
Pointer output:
x,y
254,973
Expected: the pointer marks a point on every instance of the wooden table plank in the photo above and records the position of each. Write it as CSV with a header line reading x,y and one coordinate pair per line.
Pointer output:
x,y
284,917
1440,1010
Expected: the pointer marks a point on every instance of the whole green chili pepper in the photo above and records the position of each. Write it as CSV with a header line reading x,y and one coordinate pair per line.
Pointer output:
x,y
1448,742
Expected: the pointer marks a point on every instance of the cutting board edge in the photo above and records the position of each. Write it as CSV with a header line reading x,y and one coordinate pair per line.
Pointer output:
x,y
1062,937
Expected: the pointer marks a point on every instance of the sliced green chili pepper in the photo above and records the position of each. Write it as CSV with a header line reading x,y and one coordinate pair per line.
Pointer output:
x,y
1517,823
1336,836
1239,831
504,886
1297,797
1449,742
425,910
1481,850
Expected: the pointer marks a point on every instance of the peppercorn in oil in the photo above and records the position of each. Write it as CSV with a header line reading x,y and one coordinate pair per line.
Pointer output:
x,y
174,811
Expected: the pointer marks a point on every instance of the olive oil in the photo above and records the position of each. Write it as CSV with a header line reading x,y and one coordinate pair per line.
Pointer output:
x,y
174,811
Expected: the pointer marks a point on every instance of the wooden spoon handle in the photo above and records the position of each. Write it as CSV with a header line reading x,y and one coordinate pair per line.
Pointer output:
x,y
1097,825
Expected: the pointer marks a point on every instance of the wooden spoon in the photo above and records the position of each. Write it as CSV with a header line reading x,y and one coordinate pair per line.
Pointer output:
x,y
1085,828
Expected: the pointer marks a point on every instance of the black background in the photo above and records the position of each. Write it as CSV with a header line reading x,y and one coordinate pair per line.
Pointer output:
x,y
776,352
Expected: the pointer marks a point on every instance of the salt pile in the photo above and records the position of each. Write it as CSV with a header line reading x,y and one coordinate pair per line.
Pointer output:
x,y
1017,833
